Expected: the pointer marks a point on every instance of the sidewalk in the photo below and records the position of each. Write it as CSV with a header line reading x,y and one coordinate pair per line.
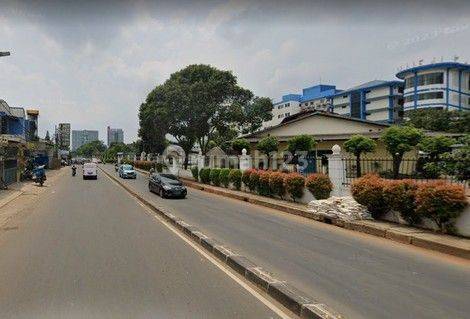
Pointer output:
x,y
456,246
17,191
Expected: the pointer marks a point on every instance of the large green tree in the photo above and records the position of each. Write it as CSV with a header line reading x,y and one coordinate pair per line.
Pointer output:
x,y
434,146
154,122
200,104
398,140
94,148
440,120
358,145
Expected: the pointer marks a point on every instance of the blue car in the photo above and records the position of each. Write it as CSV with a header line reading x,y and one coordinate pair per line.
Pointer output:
x,y
127,171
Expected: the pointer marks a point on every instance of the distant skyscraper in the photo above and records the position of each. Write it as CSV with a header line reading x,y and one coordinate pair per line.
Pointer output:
x,y
83,137
63,136
115,135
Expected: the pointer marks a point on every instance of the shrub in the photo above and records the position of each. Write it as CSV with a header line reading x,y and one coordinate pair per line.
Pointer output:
x,y
145,165
254,179
236,178
431,170
204,175
160,166
400,195
195,172
276,184
263,183
368,191
224,177
295,184
319,185
215,176
246,177
441,202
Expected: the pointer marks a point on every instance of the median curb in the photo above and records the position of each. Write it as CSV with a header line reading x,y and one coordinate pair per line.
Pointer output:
x,y
456,246
287,295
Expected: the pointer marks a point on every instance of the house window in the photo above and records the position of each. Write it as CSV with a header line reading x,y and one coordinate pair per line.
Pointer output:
x,y
345,96
287,114
431,78
409,82
431,96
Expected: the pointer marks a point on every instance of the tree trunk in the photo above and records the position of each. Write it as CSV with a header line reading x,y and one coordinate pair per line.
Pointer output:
x,y
358,165
396,165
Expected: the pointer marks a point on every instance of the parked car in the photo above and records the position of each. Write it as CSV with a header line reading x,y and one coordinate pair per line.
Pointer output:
x,y
167,185
127,171
90,170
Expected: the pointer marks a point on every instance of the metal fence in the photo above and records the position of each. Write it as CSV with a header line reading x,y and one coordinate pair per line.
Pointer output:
x,y
409,169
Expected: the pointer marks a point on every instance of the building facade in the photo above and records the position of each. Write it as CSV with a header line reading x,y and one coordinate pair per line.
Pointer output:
x,y
444,85
378,101
63,136
312,98
81,137
115,135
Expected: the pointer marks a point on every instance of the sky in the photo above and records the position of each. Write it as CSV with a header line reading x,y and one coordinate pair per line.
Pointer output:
x,y
92,63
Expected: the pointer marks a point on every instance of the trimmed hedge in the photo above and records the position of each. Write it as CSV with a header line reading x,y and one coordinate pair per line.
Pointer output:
x,y
235,177
319,185
214,176
195,172
442,203
369,191
400,195
254,180
295,185
277,184
205,175
145,165
246,177
263,183
224,177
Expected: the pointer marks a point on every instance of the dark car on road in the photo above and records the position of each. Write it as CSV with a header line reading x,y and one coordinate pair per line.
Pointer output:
x,y
167,185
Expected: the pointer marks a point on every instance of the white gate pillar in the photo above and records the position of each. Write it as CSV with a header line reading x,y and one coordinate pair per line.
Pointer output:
x,y
245,161
336,171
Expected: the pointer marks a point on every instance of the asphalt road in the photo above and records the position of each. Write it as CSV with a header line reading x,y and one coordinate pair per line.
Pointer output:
x,y
86,249
360,276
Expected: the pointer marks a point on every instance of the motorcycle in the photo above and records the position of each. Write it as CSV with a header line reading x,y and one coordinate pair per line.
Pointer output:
x,y
39,175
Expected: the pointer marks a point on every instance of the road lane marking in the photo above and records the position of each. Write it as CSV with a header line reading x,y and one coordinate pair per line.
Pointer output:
x,y
277,310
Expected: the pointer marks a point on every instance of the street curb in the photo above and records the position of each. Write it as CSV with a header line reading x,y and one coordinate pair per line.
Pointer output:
x,y
287,295
380,230
11,198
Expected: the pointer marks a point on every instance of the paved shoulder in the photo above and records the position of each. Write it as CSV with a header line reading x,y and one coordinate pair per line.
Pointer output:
x,y
91,251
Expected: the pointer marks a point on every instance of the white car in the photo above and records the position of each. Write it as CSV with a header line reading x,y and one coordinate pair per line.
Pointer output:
x,y
90,170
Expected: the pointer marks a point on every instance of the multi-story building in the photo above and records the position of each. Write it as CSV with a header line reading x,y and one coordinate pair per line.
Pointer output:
x,y
115,135
312,98
81,137
378,101
444,85
63,136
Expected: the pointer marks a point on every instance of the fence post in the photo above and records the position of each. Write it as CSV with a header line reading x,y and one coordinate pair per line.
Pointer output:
x,y
336,170
200,161
245,161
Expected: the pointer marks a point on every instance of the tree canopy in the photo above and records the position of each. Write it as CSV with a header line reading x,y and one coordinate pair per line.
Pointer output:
x,y
398,140
239,144
301,143
440,120
436,145
94,148
358,145
199,104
